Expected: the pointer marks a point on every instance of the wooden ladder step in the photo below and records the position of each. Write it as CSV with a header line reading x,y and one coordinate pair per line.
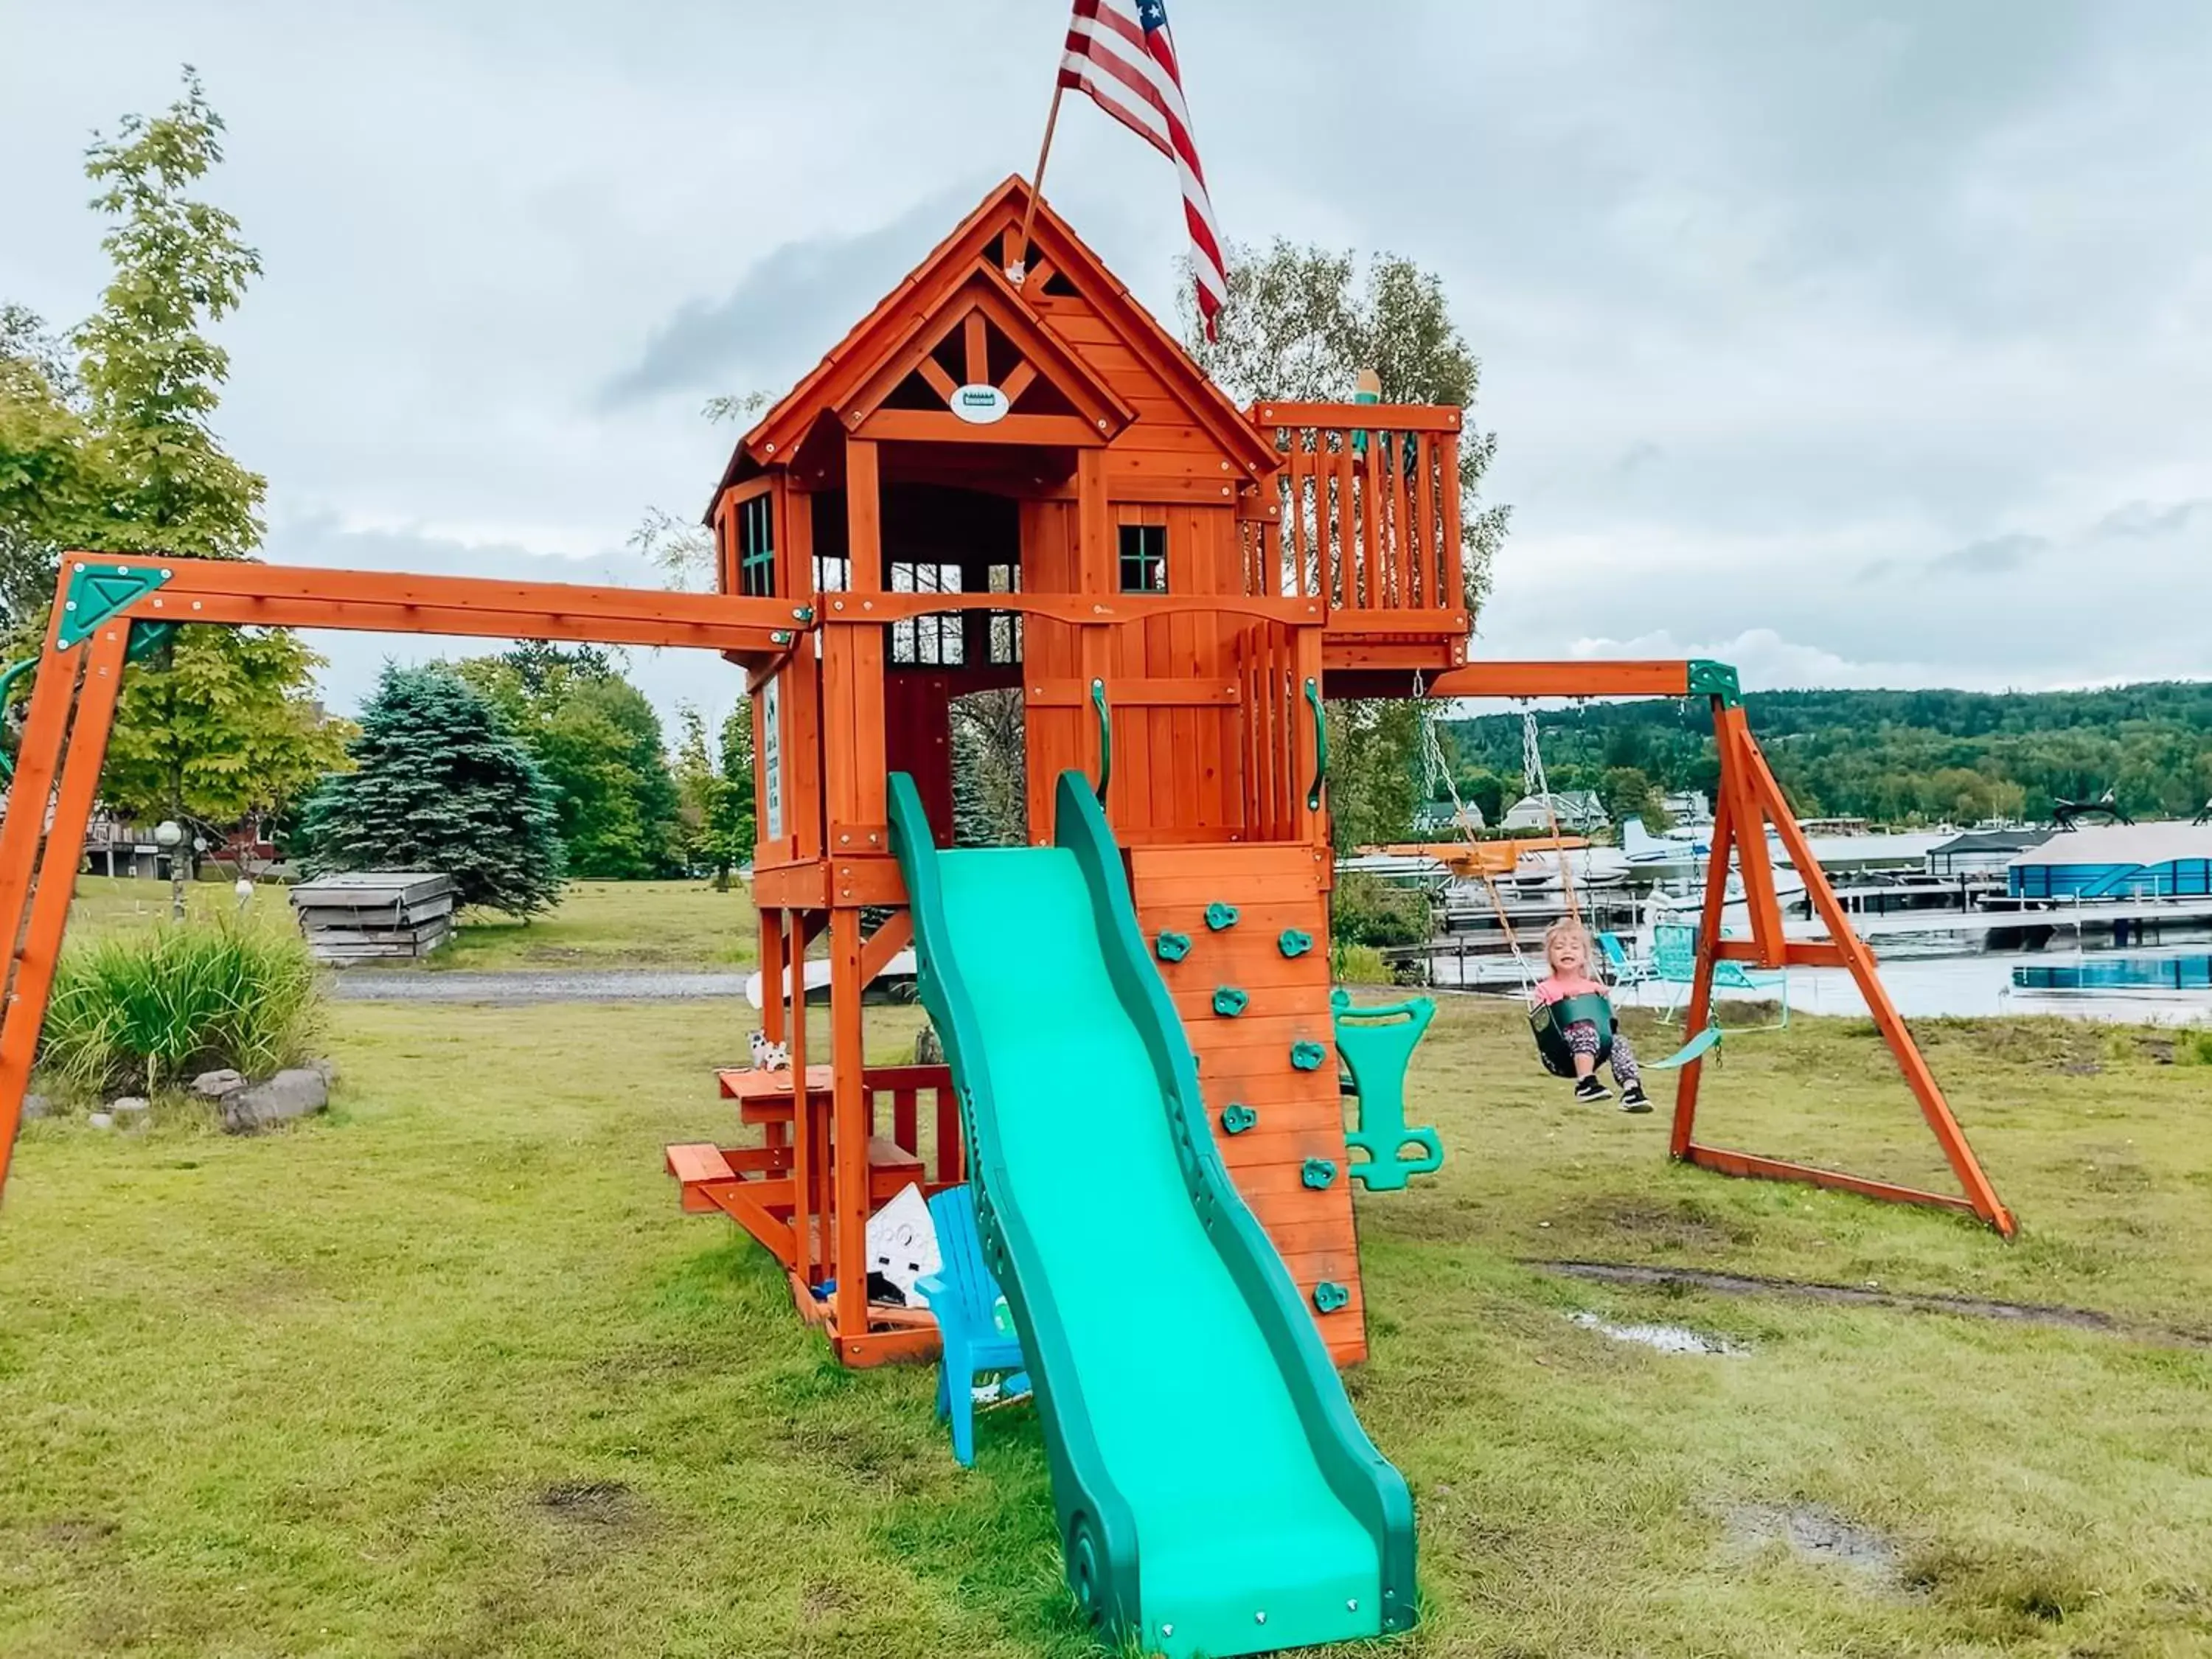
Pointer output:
x,y
697,1166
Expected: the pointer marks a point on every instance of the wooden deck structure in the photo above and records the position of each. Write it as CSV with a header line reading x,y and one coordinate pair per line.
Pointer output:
x,y
986,487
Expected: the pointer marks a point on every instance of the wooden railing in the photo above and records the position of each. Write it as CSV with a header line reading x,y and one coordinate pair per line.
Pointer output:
x,y
1366,515
1281,759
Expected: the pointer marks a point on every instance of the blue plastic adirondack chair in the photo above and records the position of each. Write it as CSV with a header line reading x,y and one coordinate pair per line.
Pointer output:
x,y
1675,954
962,1295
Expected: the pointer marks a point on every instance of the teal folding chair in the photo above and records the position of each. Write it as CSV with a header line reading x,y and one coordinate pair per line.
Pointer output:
x,y
1623,969
1674,962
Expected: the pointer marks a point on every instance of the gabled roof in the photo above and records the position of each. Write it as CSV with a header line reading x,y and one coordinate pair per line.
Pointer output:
x,y
2123,844
905,312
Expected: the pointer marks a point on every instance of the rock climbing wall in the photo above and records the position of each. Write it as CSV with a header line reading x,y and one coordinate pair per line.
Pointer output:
x,y
1241,935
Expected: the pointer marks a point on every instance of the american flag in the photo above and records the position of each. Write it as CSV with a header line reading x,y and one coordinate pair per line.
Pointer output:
x,y
1120,52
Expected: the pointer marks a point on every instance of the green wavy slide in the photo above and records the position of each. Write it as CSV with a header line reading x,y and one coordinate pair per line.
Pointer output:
x,y
1215,1493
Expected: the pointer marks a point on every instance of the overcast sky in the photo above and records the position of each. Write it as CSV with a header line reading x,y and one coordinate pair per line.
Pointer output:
x,y
1861,343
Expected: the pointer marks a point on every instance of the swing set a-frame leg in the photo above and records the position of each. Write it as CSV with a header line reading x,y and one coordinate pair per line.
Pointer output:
x,y
41,847
1750,800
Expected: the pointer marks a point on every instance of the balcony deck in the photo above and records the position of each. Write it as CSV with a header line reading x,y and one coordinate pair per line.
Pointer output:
x,y
1365,516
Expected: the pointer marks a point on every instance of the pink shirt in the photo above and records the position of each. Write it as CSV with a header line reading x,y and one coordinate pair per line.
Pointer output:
x,y
1558,988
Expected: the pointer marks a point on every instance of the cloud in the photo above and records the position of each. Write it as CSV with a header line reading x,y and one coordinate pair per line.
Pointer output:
x,y
2145,518
1992,556
1855,336
790,306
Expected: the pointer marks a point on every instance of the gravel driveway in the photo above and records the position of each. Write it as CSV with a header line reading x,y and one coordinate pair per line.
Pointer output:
x,y
373,985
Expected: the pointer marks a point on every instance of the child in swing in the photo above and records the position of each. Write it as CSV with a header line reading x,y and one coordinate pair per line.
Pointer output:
x,y
1566,948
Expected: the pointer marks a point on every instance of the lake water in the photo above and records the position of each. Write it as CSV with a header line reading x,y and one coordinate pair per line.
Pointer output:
x,y
2164,988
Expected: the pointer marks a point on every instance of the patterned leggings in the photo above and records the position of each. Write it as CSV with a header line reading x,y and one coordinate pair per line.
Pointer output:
x,y
1582,1039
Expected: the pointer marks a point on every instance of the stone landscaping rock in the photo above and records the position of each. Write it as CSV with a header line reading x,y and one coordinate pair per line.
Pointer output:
x,y
101,1120
299,1092
214,1085
131,1106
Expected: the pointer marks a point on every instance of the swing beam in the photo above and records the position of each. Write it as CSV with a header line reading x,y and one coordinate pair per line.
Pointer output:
x,y
1750,800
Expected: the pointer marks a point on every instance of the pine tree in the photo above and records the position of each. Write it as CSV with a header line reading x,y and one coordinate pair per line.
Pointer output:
x,y
441,784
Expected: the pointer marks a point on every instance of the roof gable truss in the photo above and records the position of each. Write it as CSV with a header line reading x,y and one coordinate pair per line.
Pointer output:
x,y
982,334
1059,264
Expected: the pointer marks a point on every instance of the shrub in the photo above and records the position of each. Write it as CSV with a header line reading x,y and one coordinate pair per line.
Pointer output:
x,y
1366,911
1361,964
144,1010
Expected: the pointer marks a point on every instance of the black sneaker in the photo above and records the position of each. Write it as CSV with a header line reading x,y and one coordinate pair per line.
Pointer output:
x,y
1590,1089
1633,1099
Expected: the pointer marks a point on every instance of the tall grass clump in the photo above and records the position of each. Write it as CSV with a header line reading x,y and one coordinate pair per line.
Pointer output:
x,y
142,1010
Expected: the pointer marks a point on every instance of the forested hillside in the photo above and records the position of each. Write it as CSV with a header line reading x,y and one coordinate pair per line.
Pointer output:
x,y
1897,757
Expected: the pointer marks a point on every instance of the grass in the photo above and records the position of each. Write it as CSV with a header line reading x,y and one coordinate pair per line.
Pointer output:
x,y
616,924
446,1373
670,925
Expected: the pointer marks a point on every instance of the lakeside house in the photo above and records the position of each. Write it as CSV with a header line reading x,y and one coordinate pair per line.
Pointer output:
x,y
1579,811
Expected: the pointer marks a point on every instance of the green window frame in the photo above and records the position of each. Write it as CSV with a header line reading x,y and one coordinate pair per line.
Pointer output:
x,y
757,546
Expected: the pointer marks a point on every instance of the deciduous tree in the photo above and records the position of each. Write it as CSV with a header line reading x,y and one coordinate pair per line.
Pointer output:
x,y
106,443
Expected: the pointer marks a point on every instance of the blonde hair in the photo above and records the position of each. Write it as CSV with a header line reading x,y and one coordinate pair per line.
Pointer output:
x,y
1566,927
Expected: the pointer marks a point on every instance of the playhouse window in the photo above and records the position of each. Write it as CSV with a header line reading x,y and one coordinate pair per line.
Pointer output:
x,y
756,547
937,641
1006,641
1143,558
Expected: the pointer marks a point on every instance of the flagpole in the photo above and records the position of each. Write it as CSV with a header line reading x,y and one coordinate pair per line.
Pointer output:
x,y
1017,259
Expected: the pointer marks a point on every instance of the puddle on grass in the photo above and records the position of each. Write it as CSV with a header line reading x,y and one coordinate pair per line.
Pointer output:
x,y
1815,1535
1666,1339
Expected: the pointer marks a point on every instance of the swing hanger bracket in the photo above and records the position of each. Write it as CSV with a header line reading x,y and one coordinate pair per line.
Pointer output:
x,y
1717,680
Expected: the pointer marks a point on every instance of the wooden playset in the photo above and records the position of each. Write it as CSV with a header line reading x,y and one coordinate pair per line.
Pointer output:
x,y
993,488
986,488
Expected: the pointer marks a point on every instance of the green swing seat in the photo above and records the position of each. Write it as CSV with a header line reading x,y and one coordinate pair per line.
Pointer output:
x,y
1548,1022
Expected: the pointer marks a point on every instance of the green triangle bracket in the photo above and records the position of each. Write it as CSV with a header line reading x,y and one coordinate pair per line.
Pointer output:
x,y
97,591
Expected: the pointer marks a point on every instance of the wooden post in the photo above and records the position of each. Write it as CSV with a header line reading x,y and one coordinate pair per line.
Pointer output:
x,y
773,1023
803,1151
55,881
38,758
849,1136
1731,735
1701,988
1980,1194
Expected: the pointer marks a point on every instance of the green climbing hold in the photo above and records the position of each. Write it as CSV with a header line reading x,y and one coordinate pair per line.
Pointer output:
x,y
1237,1117
1229,1001
1318,1172
1308,1056
96,592
1293,942
1219,916
1330,1296
1171,946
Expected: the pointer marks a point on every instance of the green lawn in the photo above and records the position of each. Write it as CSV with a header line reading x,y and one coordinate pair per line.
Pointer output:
x,y
448,1373
598,924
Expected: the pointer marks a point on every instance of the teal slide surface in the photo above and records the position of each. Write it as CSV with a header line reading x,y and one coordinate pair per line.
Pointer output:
x,y
1215,1493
